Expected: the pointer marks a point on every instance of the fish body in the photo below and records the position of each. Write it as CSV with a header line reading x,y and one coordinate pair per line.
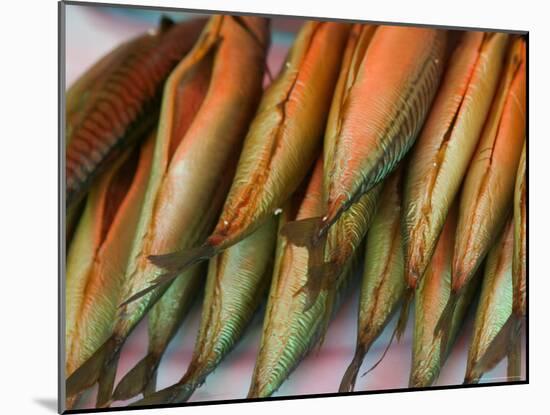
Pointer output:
x,y
282,143
431,347
384,110
97,259
383,283
441,155
494,309
289,331
114,104
235,287
327,262
196,150
489,185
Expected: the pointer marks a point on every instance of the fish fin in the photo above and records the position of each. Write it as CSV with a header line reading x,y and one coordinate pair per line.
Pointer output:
x,y
350,376
157,282
89,372
182,260
165,23
499,347
401,326
303,232
106,382
446,317
151,386
137,379
177,393
393,335
320,277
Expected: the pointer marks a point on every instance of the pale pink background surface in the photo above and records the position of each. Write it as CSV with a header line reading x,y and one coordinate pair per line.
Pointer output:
x,y
91,32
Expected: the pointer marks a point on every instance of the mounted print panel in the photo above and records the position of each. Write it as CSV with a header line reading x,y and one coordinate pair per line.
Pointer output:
x,y
275,206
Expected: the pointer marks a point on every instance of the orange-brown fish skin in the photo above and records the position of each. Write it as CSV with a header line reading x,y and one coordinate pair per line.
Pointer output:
x,y
123,104
385,111
266,176
489,185
440,157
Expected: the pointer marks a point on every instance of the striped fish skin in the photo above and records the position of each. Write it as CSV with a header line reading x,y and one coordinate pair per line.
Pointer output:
x,y
177,188
290,333
237,281
383,283
519,270
441,155
489,184
285,136
111,108
495,303
431,348
385,109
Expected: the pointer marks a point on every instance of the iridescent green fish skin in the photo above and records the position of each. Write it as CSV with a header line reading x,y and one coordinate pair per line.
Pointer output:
x,y
431,348
290,331
495,305
440,158
237,281
383,282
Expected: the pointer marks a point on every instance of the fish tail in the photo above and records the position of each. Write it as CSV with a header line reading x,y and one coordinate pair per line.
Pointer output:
x,y
446,318
501,345
151,386
174,263
178,393
90,371
350,376
320,277
401,326
304,232
140,378
396,332
181,260
106,381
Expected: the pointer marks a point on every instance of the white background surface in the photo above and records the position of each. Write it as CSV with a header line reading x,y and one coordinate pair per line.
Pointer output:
x,y
28,174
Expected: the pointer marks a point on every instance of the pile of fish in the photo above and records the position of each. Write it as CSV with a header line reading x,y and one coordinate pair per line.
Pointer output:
x,y
392,153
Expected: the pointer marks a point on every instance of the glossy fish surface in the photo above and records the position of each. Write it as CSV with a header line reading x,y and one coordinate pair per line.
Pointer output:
x,y
383,283
282,143
117,102
440,158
